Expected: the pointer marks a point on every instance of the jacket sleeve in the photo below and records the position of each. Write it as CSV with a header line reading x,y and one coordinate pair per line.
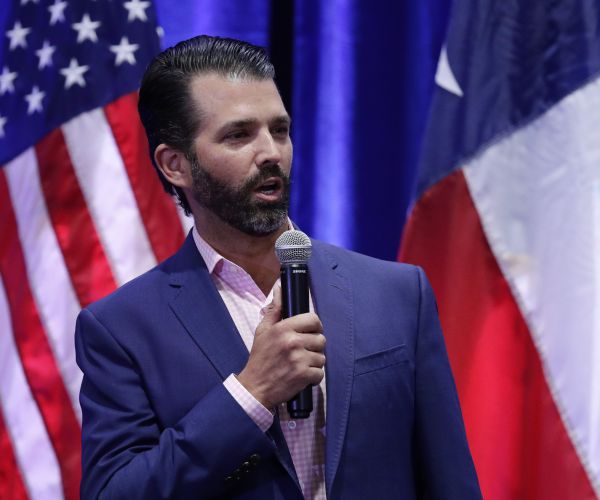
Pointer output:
x,y
444,465
125,455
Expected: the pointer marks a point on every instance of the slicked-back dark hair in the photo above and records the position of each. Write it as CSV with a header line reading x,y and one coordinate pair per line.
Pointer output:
x,y
165,105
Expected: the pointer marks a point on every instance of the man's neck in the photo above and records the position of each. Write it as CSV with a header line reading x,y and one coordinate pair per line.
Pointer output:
x,y
254,254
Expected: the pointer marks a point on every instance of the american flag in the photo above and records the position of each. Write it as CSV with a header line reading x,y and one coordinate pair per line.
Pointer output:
x,y
81,212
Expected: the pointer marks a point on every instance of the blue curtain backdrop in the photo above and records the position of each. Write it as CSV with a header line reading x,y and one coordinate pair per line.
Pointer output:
x,y
357,78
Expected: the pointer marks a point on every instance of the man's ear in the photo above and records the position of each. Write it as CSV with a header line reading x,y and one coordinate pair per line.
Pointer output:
x,y
174,165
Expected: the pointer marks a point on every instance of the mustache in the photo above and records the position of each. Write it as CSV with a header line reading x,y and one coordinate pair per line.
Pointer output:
x,y
266,172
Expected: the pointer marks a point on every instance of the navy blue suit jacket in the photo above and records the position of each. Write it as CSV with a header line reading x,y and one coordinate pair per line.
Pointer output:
x,y
158,423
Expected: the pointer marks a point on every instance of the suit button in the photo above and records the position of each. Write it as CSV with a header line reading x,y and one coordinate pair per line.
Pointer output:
x,y
229,479
246,466
254,459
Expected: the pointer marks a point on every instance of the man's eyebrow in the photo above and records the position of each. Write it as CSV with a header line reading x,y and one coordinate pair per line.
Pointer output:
x,y
238,123
279,120
282,120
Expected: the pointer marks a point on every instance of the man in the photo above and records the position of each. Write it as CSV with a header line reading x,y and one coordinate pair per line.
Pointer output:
x,y
187,369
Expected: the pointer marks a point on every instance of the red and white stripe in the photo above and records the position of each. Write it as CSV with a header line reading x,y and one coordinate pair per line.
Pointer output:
x,y
47,275
511,244
32,447
81,213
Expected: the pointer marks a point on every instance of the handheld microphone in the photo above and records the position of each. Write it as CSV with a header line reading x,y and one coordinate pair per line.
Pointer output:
x,y
293,249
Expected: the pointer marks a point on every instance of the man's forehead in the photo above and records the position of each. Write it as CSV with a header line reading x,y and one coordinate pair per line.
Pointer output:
x,y
240,98
215,86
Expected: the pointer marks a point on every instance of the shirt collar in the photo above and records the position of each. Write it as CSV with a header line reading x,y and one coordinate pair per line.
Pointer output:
x,y
211,257
209,254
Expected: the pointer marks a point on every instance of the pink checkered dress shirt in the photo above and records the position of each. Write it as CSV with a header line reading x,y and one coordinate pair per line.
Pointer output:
x,y
245,302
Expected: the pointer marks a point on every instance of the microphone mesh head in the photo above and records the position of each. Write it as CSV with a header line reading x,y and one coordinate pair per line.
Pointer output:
x,y
293,247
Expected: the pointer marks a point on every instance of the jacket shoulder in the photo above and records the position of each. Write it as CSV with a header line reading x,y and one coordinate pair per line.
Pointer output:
x,y
151,285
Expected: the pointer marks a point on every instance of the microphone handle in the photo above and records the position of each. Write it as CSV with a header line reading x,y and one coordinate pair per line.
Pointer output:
x,y
294,296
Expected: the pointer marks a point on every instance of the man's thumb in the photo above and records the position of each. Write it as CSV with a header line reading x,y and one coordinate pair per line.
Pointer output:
x,y
273,310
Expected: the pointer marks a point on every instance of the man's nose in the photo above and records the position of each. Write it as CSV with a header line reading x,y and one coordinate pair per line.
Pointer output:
x,y
268,149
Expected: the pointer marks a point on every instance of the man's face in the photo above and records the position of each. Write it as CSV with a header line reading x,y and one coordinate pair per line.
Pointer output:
x,y
242,153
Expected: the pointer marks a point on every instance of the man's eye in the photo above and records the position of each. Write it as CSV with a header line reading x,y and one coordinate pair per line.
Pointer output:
x,y
281,131
238,134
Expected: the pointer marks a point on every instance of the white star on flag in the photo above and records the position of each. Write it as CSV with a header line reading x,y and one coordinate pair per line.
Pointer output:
x,y
86,29
2,123
45,55
6,81
25,2
74,74
34,100
124,52
444,76
17,36
136,10
57,11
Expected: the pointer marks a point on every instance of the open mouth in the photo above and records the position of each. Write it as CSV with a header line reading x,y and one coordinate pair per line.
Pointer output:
x,y
270,189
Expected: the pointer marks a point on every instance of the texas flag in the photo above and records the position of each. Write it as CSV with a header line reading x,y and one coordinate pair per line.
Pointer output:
x,y
507,227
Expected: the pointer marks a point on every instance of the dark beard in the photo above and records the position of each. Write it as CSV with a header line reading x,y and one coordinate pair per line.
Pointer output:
x,y
235,205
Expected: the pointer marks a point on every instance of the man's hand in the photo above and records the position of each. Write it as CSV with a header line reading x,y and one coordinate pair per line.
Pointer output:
x,y
286,356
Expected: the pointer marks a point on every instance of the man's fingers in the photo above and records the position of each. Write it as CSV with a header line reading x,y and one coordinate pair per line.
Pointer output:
x,y
303,323
314,342
316,375
277,296
316,360
272,311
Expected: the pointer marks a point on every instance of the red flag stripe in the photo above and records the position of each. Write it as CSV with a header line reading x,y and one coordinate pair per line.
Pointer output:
x,y
84,256
36,355
156,207
11,482
519,442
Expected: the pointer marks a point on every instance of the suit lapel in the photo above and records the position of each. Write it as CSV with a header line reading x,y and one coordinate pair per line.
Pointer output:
x,y
332,294
202,312
199,307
